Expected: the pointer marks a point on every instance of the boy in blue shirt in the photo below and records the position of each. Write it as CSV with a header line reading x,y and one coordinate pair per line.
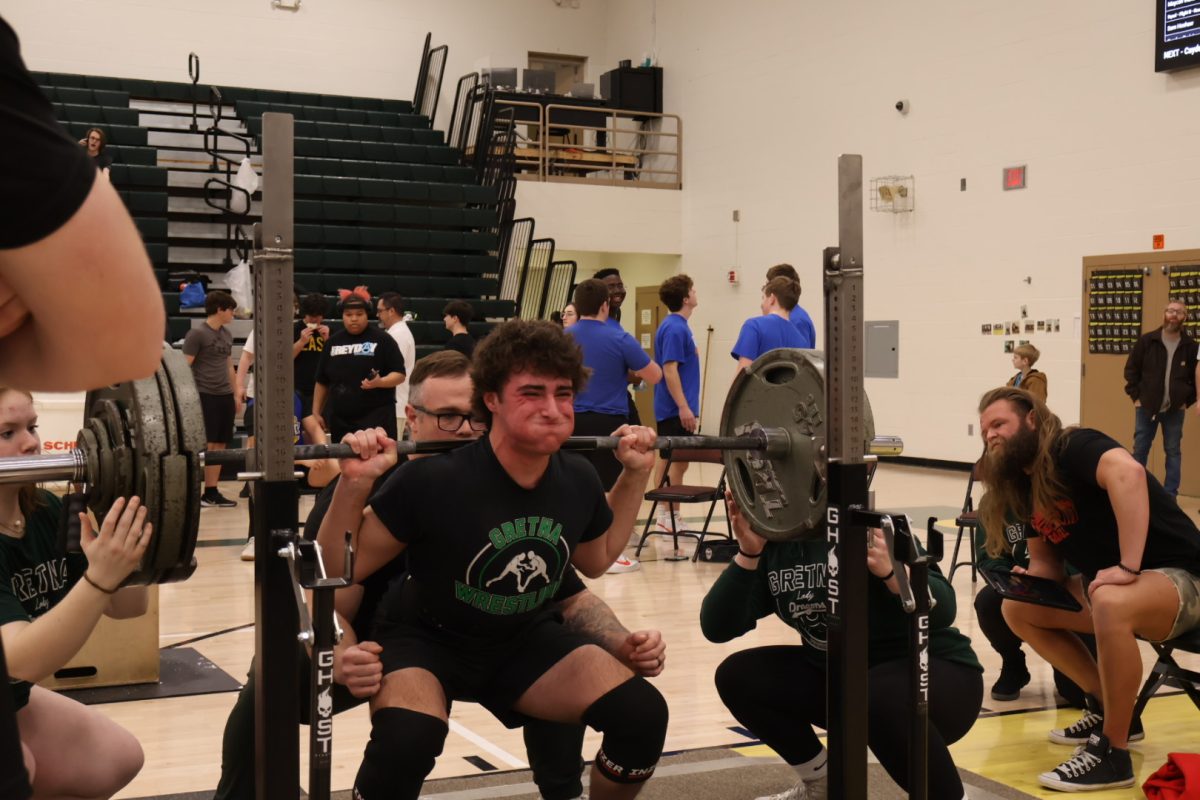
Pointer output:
x,y
677,397
797,315
609,353
773,329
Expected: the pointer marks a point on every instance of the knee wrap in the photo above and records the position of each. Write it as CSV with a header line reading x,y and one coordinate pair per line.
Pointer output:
x,y
633,719
399,755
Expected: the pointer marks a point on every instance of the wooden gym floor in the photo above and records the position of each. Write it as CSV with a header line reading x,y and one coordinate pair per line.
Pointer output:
x,y
182,736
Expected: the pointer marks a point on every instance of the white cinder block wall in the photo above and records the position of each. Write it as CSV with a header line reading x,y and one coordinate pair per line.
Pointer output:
x,y
770,93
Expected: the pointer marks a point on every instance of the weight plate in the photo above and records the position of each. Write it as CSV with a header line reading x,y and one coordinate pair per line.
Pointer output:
x,y
189,418
105,488
86,442
174,482
782,497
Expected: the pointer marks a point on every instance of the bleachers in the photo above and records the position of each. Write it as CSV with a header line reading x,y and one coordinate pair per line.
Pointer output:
x,y
380,199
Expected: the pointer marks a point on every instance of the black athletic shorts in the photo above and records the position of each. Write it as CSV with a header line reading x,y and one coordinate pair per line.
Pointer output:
x,y
219,412
671,426
305,404
493,674
382,417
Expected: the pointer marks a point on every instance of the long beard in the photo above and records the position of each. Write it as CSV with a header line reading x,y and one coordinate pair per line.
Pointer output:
x,y
1008,463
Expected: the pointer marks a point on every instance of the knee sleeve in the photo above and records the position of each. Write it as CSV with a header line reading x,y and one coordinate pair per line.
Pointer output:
x,y
399,755
633,719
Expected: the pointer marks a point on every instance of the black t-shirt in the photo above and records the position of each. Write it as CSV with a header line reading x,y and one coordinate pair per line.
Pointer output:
x,y
45,173
462,342
486,554
102,160
374,585
1087,537
347,361
304,366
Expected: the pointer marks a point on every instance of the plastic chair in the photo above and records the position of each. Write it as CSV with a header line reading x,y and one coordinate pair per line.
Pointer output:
x,y
1167,670
686,493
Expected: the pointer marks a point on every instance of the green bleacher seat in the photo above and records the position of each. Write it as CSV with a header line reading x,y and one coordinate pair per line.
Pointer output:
x,y
144,203
177,328
151,228
171,301
95,115
136,175
157,251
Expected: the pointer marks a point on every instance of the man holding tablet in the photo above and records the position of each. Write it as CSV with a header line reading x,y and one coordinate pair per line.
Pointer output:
x,y
1091,504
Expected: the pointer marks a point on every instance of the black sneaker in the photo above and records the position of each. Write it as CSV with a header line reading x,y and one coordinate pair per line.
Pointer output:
x,y
1008,686
214,499
1094,766
1092,722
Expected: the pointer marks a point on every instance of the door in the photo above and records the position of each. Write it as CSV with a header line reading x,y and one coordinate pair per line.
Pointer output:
x,y
650,312
1124,297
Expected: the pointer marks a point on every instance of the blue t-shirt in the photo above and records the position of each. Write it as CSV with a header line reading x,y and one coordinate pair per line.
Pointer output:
x,y
609,352
673,342
804,324
768,332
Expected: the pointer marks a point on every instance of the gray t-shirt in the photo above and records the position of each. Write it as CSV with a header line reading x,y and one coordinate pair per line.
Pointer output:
x,y
212,351
1171,347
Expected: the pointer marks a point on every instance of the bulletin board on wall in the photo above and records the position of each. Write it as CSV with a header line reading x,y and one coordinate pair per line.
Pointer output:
x,y
1123,297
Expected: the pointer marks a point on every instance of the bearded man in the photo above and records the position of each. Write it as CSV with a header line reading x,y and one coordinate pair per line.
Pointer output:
x,y
1088,502
1160,378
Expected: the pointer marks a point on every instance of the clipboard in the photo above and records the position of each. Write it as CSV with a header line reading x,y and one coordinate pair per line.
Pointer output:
x,y
1030,589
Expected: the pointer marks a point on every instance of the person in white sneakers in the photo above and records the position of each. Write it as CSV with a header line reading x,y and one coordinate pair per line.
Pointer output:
x,y
677,396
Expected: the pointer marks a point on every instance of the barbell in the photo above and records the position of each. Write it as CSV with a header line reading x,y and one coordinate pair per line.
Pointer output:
x,y
146,438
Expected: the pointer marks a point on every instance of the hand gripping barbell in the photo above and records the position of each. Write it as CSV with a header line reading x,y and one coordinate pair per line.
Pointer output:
x,y
146,438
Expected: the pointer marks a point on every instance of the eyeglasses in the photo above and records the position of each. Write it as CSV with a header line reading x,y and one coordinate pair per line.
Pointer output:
x,y
452,422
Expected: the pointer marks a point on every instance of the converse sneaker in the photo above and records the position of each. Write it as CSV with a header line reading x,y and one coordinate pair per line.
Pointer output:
x,y
797,792
623,564
1094,766
1008,686
1092,722
214,499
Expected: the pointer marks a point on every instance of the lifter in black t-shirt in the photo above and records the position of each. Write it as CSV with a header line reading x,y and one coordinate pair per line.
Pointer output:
x,y
76,288
441,388
357,375
470,622
1090,504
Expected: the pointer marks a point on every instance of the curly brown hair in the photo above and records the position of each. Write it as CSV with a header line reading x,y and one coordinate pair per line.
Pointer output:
x,y
520,345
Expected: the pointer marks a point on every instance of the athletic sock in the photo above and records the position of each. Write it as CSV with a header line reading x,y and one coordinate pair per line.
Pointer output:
x,y
814,768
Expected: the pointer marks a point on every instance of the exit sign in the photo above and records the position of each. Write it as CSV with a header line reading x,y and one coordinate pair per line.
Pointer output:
x,y
1014,177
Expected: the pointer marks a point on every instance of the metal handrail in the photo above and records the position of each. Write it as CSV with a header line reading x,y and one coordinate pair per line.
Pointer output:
x,y
232,217
194,74
625,162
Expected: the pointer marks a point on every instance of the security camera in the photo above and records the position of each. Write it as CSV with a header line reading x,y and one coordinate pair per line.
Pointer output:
x,y
902,106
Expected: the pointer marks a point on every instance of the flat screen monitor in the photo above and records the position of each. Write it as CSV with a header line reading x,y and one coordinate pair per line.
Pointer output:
x,y
1177,35
538,81
502,78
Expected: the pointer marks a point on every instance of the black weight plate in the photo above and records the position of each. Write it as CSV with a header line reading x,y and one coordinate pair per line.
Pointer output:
x,y
189,418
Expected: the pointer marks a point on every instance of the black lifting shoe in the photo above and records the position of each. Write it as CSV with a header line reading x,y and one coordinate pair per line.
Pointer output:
x,y
1094,766
1008,686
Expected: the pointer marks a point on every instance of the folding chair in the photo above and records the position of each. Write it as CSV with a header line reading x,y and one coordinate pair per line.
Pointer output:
x,y
685,493
967,521
1167,670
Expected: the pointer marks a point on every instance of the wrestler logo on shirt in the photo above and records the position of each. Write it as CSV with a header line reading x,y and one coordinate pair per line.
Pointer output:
x,y
1055,532
518,570
360,349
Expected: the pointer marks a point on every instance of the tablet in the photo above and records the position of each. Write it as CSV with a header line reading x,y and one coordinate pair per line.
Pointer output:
x,y
1029,589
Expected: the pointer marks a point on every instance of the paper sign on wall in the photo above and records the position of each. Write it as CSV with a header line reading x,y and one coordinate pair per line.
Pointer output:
x,y
646,317
645,341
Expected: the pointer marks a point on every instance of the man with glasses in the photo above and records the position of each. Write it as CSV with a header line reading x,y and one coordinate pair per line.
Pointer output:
x,y
1160,378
